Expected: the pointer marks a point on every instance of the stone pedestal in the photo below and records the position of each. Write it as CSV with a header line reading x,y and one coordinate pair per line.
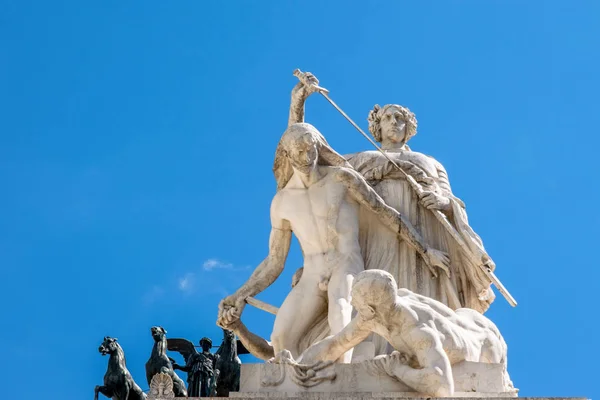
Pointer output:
x,y
364,379
377,396
473,381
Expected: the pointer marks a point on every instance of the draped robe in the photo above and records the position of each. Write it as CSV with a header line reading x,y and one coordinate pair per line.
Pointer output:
x,y
382,249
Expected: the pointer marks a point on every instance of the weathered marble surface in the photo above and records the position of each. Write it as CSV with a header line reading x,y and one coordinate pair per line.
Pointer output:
x,y
429,337
367,377
319,201
344,228
361,212
420,201
383,396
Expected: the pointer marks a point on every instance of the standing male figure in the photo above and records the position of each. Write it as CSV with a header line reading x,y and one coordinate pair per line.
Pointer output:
x,y
319,199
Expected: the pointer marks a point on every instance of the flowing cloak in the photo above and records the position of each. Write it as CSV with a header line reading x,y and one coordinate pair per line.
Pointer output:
x,y
381,249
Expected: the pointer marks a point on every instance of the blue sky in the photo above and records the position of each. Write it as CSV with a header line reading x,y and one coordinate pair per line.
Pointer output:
x,y
137,139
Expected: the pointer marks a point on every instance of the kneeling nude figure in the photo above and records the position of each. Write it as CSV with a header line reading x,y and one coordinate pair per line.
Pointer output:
x,y
428,335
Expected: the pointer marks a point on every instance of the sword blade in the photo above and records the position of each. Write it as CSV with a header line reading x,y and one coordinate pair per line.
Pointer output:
x,y
261,305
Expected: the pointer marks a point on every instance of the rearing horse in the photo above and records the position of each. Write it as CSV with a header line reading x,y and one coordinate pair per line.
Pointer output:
x,y
228,365
118,382
159,362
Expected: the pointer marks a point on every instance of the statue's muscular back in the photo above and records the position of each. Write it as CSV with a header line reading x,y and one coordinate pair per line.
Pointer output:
x,y
465,334
323,216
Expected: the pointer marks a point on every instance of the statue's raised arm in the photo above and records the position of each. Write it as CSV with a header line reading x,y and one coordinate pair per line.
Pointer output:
x,y
307,85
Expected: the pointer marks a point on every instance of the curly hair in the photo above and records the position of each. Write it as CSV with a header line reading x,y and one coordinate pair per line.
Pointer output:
x,y
378,112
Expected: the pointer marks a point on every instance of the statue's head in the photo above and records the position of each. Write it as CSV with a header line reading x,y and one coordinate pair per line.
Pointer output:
x,y
158,333
302,147
206,344
373,290
228,335
392,123
108,346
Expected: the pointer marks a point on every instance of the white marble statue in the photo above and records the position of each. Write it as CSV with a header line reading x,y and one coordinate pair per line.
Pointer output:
x,y
392,126
319,199
428,336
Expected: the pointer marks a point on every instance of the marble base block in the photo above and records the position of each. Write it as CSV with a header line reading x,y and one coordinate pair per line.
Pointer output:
x,y
277,380
378,396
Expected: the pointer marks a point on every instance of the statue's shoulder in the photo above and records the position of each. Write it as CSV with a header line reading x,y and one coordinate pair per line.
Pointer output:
x,y
422,156
434,161
363,154
277,198
344,174
428,159
424,161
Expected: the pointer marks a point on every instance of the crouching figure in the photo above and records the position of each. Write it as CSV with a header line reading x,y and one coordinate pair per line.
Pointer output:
x,y
428,336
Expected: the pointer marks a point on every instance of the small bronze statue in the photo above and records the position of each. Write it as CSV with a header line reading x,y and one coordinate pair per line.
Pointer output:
x,y
159,362
200,367
118,382
229,365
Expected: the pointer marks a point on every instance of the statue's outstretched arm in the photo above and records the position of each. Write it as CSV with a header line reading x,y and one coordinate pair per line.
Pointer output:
x,y
256,345
185,368
366,195
300,93
231,307
333,347
299,97
272,266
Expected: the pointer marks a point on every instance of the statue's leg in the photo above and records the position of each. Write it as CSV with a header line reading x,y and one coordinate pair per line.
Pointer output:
x,y
136,392
106,391
302,307
339,312
123,392
178,385
235,387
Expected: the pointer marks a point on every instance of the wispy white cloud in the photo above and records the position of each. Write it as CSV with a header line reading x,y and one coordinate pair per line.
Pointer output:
x,y
152,295
186,284
214,263
189,282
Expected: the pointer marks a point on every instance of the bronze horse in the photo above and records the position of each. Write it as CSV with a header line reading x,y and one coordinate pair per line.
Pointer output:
x,y
118,382
229,365
159,362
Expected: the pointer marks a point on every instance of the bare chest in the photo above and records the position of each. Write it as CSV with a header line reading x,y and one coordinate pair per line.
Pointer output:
x,y
319,201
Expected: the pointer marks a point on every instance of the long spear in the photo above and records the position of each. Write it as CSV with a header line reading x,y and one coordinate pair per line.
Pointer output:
x,y
483,261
